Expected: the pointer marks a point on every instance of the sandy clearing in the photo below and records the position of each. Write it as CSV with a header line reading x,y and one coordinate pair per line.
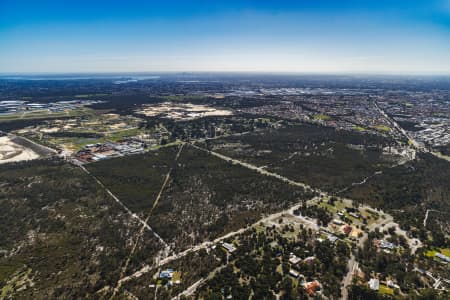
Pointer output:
x,y
12,152
49,130
185,111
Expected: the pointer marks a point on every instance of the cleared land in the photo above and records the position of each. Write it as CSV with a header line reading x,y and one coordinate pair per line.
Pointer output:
x,y
45,114
182,111
13,152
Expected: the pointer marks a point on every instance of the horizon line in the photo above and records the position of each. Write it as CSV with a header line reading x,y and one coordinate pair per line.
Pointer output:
x,y
181,72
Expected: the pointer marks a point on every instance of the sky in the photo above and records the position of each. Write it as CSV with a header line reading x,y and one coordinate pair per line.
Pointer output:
x,y
304,36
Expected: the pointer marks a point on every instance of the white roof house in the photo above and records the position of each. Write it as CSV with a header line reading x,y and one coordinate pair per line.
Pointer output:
x,y
374,284
229,247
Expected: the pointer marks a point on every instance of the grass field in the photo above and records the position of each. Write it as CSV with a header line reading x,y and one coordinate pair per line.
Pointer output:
x,y
432,253
183,97
79,143
20,278
386,290
176,276
119,135
445,251
359,128
321,117
90,95
45,114
8,268
383,128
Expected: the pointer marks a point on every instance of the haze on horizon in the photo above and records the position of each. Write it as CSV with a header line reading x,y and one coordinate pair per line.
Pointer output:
x,y
322,36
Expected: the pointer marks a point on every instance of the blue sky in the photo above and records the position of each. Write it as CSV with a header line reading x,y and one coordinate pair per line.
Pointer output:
x,y
314,36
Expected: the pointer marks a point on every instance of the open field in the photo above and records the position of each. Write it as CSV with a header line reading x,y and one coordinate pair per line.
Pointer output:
x,y
182,98
384,290
90,95
45,114
182,111
322,117
444,251
12,152
382,128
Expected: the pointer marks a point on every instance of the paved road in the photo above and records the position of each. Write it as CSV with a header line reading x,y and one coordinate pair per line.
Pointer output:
x,y
191,290
347,281
402,131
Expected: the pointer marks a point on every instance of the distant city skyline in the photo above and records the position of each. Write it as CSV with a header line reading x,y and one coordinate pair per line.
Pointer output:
x,y
323,36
